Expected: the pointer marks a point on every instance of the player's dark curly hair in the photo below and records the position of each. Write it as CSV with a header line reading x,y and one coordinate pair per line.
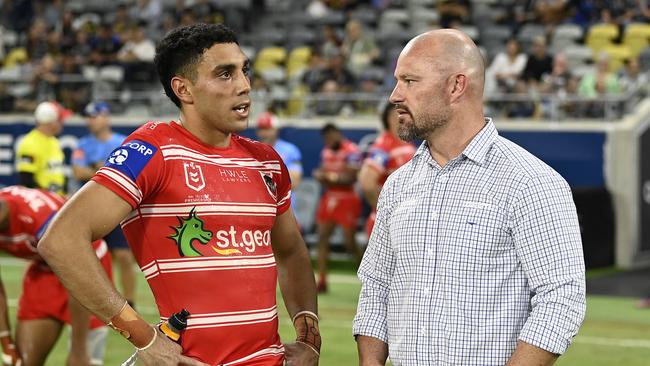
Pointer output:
x,y
180,51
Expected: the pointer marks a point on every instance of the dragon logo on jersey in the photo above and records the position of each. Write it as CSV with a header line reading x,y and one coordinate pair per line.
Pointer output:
x,y
194,176
270,184
187,232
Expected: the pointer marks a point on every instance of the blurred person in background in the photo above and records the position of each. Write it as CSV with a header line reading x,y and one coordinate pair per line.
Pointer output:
x,y
505,69
44,306
90,155
600,83
39,158
339,205
267,132
538,63
386,154
359,49
631,78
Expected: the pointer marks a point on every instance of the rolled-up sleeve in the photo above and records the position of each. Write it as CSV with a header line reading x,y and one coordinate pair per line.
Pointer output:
x,y
548,244
375,273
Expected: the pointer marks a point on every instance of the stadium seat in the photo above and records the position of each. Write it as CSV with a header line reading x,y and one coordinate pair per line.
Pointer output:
x,y
566,35
618,54
529,32
636,37
495,36
423,15
367,16
270,56
395,16
601,35
644,60
471,31
578,55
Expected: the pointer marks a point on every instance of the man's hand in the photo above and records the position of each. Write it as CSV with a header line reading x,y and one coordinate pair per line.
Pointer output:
x,y
299,354
165,352
10,354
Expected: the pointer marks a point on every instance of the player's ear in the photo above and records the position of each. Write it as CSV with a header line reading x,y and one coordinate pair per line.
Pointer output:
x,y
181,88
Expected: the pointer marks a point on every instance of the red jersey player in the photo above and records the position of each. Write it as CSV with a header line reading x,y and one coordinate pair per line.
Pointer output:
x,y
43,306
386,154
208,216
340,204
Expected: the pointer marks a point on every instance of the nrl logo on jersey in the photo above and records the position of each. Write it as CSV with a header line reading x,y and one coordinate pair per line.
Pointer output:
x,y
194,176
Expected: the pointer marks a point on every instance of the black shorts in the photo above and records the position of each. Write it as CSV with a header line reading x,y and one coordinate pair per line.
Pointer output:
x,y
116,240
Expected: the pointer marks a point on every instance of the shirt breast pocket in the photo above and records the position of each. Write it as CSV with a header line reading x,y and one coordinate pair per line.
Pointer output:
x,y
406,224
482,237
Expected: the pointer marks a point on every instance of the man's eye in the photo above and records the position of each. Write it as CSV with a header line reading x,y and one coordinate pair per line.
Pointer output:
x,y
226,75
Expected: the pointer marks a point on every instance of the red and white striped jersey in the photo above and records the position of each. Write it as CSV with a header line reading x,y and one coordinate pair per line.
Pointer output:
x,y
200,230
30,213
346,156
387,154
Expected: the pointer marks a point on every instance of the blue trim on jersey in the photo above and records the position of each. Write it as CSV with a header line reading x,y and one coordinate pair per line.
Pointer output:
x,y
131,158
41,230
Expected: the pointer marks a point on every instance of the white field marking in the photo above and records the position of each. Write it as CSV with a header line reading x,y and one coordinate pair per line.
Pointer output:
x,y
614,342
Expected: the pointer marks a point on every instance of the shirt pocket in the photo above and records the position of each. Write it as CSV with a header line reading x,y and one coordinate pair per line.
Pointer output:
x,y
408,225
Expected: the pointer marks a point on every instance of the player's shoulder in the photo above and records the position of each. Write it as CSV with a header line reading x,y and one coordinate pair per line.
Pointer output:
x,y
255,149
86,141
153,132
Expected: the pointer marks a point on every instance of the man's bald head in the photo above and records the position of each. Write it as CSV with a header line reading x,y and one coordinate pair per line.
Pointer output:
x,y
450,51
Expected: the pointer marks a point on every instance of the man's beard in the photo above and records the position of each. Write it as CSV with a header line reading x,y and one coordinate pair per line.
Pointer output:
x,y
420,127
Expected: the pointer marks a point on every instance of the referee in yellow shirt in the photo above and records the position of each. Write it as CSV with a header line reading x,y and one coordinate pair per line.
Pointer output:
x,y
39,158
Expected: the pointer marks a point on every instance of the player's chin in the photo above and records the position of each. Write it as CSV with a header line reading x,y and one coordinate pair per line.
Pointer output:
x,y
239,124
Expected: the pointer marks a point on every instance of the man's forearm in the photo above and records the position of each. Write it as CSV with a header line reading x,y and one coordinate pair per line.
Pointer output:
x,y
297,281
372,351
529,355
85,279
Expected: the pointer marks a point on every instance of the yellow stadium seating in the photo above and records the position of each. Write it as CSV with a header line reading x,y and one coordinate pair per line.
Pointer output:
x,y
637,37
601,35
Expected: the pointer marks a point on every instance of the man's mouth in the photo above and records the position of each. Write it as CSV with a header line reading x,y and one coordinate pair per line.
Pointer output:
x,y
242,109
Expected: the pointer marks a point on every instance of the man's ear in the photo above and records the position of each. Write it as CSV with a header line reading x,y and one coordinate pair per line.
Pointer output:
x,y
182,89
459,85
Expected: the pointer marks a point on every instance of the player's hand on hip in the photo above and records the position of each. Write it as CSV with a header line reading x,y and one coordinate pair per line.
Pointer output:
x,y
10,353
165,352
300,354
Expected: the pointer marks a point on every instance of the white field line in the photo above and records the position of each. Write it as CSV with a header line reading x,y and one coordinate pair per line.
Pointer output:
x,y
613,342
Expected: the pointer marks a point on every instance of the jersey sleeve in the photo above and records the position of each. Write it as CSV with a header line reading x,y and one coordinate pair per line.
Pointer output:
x,y
26,157
133,170
354,157
377,159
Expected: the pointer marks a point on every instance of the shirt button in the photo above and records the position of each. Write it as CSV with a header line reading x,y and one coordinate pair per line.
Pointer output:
x,y
427,290
442,178
429,253
423,330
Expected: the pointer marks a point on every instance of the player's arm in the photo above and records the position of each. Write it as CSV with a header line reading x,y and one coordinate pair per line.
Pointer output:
x,y
298,288
66,246
369,182
10,354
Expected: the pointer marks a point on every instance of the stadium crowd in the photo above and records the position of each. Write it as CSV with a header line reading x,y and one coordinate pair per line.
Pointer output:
x,y
547,59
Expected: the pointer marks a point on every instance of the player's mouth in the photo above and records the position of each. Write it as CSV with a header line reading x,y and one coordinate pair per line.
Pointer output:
x,y
402,113
242,109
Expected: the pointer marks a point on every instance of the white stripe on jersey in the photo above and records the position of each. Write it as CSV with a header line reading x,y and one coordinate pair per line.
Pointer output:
x,y
175,152
204,208
18,238
284,199
274,350
207,264
225,319
123,181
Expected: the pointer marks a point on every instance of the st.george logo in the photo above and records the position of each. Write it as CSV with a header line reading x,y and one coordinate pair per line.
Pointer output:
x,y
194,176
118,157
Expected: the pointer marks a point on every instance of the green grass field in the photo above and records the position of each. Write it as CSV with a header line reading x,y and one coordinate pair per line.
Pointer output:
x,y
613,334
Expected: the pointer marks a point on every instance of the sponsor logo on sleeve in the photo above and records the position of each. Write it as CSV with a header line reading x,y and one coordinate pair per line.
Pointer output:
x,y
131,157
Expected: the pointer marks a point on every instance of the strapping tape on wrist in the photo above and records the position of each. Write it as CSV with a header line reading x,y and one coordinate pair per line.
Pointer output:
x,y
306,325
132,327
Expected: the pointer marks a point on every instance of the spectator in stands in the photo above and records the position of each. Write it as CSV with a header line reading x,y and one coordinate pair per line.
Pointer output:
x,y
370,86
337,70
316,9
136,57
52,13
72,88
331,45
45,78
599,84
82,48
359,50
505,69
122,21
314,76
39,158
453,12
517,13
551,12
330,101
104,45
556,85
37,46
539,62
619,12
11,103
339,205
631,77
147,11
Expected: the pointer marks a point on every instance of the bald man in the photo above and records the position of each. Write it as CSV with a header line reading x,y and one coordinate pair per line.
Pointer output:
x,y
475,257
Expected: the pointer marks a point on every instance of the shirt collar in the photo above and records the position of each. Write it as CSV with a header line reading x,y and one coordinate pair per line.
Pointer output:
x,y
476,150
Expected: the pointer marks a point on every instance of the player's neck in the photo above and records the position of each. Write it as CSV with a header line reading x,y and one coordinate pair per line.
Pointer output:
x,y
209,136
